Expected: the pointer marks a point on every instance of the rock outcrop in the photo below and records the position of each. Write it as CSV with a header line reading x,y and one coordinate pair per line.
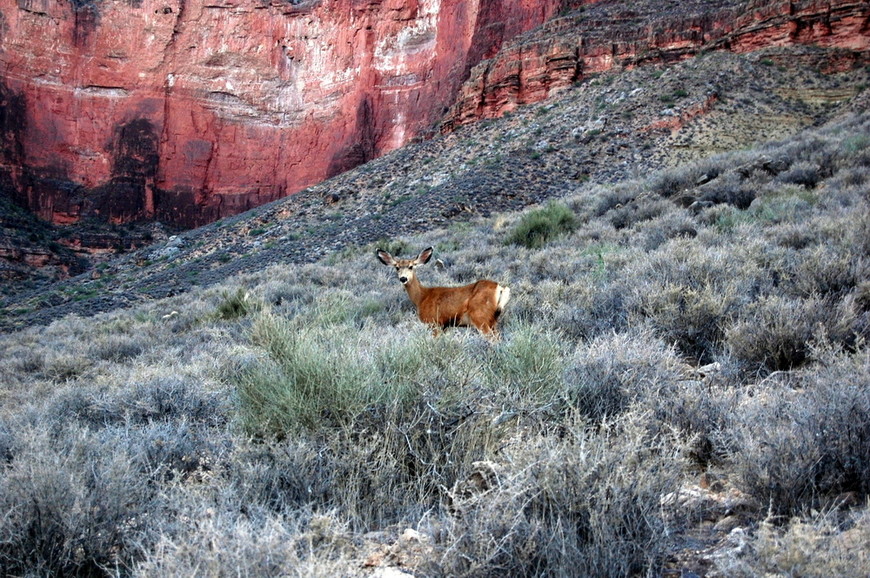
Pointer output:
x,y
191,110
607,34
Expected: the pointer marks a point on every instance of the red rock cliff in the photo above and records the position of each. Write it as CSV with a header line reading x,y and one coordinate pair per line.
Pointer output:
x,y
192,110
611,33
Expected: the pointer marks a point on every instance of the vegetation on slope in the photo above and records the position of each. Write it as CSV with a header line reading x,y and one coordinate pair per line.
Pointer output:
x,y
683,382
603,130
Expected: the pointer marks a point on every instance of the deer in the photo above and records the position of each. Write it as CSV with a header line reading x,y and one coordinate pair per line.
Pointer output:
x,y
479,304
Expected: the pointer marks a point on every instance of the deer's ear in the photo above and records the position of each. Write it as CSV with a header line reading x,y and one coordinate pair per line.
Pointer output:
x,y
385,257
425,255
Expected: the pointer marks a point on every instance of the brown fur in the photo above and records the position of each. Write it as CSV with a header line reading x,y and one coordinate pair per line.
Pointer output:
x,y
479,304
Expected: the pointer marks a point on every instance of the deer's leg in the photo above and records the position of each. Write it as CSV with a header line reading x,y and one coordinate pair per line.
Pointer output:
x,y
490,333
484,321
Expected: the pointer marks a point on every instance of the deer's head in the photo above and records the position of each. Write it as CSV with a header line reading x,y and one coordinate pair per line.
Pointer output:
x,y
405,267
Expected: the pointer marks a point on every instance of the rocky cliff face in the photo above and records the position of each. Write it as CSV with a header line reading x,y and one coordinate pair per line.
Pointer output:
x,y
191,110
606,34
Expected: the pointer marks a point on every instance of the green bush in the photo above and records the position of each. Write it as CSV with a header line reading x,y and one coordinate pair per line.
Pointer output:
x,y
528,365
306,381
539,227
236,305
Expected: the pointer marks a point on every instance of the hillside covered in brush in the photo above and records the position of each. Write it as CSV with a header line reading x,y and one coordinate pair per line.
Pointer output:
x,y
611,127
682,384
676,193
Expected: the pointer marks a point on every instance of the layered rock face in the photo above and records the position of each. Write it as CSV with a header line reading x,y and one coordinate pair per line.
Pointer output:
x,y
191,110
610,34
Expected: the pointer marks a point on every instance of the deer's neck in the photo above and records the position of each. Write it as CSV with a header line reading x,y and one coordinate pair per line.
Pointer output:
x,y
415,290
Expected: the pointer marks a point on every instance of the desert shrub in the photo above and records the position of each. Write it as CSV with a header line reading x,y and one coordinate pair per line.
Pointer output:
x,y
118,348
159,399
363,473
668,226
173,398
426,437
7,443
343,306
782,204
818,545
857,230
637,211
395,247
542,268
689,295
331,307
305,381
586,504
669,183
804,173
623,372
383,477
806,147
731,189
607,375
693,318
24,359
299,544
850,177
73,504
798,443
700,407
394,421
589,310
420,416
61,365
540,226
617,196
278,476
794,235
777,333
169,451
826,270
317,375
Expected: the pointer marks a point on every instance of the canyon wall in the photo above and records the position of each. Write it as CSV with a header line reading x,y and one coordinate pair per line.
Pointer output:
x,y
187,111
605,35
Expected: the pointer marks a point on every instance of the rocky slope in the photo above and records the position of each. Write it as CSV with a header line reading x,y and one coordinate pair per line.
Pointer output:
x,y
609,35
186,111
618,126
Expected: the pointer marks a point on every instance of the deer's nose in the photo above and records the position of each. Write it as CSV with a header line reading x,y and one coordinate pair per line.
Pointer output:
x,y
403,279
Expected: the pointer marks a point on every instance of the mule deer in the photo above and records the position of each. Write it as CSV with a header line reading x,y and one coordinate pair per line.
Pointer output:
x,y
479,304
